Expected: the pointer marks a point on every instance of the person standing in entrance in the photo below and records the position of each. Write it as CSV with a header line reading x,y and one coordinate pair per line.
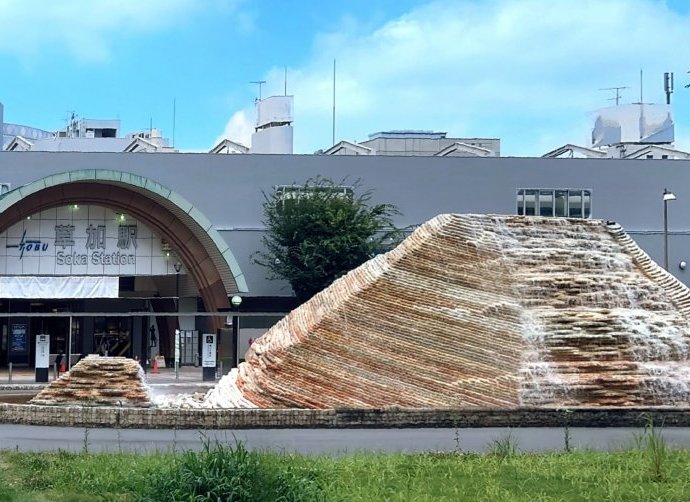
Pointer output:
x,y
58,362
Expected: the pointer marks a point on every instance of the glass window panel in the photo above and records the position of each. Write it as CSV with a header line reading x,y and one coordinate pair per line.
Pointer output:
x,y
587,202
575,203
521,202
530,202
561,203
546,203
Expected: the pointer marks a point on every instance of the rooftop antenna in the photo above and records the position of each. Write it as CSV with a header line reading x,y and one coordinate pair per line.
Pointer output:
x,y
333,136
668,86
618,92
641,98
260,83
71,120
641,103
174,115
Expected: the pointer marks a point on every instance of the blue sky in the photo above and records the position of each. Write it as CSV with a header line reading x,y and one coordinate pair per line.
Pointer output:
x,y
527,71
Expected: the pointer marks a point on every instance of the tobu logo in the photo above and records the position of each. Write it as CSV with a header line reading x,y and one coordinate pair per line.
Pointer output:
x,y
29,245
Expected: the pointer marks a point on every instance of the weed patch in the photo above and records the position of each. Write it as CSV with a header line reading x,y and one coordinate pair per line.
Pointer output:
x,y
232,473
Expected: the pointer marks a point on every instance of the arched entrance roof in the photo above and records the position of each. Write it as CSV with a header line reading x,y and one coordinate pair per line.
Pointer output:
x,y
191,235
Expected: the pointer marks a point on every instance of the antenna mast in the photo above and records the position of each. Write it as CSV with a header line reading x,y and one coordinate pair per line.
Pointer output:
x,y
260,83
668,86
618,92
641,99
174,116
333,136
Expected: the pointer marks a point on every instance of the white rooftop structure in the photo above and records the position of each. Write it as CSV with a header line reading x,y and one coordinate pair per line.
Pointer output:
x,y
273,132
57,144
10,131
91,128
633,123
83,135
418,143
630,131
227,146
348,148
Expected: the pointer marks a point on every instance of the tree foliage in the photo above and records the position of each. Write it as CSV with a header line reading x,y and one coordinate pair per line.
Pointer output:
x,y
319,231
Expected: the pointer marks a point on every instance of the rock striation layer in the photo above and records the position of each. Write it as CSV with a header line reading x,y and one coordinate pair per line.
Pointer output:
x,y
98,381
484,311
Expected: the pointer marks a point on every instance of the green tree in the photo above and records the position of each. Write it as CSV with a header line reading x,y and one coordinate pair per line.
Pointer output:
x,y
321,230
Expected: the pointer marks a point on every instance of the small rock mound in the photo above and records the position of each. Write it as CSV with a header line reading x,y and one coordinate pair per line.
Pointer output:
x,y
98,381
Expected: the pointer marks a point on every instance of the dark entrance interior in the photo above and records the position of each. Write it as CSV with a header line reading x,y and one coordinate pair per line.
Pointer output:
x,y
113,335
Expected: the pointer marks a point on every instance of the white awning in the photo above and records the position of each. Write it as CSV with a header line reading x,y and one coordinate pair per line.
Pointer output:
x,y
55,287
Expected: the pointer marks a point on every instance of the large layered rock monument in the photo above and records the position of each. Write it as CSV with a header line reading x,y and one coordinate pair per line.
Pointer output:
x,y
482,311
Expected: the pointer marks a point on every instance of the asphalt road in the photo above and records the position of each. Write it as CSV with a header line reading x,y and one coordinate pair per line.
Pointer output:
x,y
318,441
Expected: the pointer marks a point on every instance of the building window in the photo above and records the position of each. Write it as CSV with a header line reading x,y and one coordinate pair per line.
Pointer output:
x,y
554,202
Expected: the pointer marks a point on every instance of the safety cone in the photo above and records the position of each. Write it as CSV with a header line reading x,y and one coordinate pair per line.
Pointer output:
x,y
155,366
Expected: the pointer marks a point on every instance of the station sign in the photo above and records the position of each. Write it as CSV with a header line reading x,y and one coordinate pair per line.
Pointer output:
x,y
42,351
208,357
42,357
208,354
83,240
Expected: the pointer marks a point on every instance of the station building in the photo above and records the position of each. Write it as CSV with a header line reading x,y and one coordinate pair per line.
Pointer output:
x,y
96,246
113,250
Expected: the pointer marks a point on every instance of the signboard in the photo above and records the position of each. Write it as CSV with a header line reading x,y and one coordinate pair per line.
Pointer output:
x,y
208,351
42,351
177,346
82,240
19,339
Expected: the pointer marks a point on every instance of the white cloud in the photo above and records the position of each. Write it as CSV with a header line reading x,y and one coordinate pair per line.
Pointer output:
x,y
85,29
527,71
239,129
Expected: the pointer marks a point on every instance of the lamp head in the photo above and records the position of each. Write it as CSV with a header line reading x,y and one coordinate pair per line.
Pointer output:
x,y
178,266
669,195
236,301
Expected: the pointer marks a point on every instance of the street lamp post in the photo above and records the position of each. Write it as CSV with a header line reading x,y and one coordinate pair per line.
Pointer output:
x,y
667,197
236,301
178,268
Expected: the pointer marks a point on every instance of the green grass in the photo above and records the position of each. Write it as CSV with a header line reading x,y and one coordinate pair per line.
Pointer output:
x,y
233,473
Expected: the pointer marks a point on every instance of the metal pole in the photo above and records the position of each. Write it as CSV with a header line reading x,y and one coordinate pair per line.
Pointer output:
x,y
177,370
69,345
235,340
666,235
10,374
333,137
177,291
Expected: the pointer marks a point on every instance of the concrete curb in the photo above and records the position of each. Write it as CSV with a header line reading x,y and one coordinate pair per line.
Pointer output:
x,y
157,418
22,386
